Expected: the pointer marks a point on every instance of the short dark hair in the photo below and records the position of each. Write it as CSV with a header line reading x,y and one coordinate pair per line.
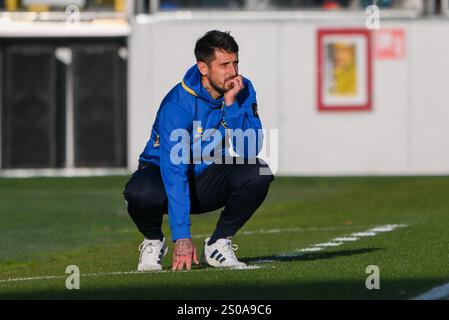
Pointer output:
x,y
205,46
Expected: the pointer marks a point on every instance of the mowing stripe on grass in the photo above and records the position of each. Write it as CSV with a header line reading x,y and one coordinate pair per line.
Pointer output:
x,y
437,293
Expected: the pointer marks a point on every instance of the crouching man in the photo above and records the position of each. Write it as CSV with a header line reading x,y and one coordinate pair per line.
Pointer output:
x,y
212,98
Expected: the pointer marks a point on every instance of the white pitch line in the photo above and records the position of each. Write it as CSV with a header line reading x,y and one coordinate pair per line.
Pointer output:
x,y
266,261
121,273
313,249
437,293
340,240
32,278
346,239
387,228
363,234
329,244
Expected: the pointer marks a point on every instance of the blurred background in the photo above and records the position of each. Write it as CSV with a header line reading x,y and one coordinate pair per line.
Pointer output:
x,y
350,90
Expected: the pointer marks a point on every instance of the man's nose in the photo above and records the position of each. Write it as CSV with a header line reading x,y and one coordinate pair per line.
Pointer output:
x,y
233,71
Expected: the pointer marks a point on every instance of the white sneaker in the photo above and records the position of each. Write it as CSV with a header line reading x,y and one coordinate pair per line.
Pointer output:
x,y
221,254
151,254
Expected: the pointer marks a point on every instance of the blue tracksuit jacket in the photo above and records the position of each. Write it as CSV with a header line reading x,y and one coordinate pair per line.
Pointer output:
x,y
187,102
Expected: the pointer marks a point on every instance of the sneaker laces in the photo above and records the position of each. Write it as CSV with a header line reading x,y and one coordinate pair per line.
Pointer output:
x,y
229,249
143,247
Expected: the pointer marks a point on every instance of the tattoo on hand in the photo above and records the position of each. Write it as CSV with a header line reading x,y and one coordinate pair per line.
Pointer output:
x,y
183,247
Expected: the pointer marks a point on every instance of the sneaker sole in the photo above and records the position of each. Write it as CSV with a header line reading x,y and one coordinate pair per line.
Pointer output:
x,y
214,263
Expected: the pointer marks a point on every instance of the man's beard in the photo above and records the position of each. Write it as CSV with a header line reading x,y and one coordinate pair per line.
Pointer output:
x,y
217,88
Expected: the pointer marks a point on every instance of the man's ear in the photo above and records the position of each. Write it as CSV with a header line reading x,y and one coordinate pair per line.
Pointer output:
x,y
203,68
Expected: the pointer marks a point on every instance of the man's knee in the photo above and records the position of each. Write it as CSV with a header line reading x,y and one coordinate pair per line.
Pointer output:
x,y
262,179
257,175
146,199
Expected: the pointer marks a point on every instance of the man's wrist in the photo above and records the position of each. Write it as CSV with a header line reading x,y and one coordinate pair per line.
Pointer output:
x,y
229,102
183,247
180,232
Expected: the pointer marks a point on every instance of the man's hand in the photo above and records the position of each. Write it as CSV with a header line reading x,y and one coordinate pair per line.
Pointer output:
x,y
237,86
183,254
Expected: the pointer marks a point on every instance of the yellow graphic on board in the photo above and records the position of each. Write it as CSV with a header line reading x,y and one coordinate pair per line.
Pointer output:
x,y
342,58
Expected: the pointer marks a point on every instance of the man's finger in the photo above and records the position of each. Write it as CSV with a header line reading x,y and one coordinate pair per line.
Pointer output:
x,y
195,257
236,83
174,262
181,263
240,80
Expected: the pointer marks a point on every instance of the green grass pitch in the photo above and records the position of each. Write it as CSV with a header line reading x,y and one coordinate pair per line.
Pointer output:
x,y
47,224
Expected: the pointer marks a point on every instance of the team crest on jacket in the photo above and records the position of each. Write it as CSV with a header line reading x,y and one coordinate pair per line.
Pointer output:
x,y
199,132
156,143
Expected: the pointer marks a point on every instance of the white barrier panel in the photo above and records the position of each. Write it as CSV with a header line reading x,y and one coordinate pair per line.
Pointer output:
x,y
405,132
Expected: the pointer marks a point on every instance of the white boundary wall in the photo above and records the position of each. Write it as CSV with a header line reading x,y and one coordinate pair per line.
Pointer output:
x,y
407,131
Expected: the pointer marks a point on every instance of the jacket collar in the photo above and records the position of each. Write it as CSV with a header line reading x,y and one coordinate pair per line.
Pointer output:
x,y
193,85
